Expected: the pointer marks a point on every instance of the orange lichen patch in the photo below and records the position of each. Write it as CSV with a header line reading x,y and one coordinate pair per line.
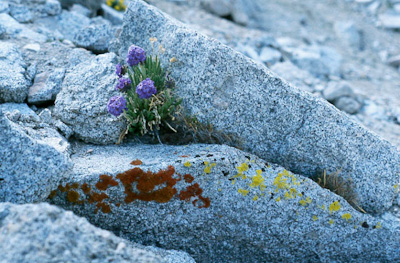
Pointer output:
x,y
86,188
75,186
188,178
105,181
72,196
137,162
184,156
118,204
62,188
147,182
52,194
96,197
105,208
194,190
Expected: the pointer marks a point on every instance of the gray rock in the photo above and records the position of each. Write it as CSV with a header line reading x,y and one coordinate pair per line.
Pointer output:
x,y
13,83
114,16
17,30
218,7
20,112
66,131
93,5
394,61
336,90
45,116
348,33
348,104
94,37
32,47
46,86
41,233
270,55
4,7
82,102
318,60
220,205
390,21
275,121
81,10
33,161
249,51
21,13
298,77
2,31
52,7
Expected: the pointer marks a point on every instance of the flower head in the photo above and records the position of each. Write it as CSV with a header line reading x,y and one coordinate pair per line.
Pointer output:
x,y
136,55
123,84
116,105
146,89
119,70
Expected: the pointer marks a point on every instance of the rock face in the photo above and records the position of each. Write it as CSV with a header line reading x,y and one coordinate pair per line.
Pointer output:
x,y
95,38
93,5
82,102
33,159
13,83
220,205
275,120
46,86
44,233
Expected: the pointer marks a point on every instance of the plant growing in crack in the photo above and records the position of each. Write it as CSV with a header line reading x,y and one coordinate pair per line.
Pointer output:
x,y
148,102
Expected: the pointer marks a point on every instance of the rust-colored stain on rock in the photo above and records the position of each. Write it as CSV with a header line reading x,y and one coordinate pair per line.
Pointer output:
x,y
105,181
137,162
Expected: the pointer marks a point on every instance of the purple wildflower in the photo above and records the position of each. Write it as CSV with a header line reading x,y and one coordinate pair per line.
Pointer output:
x,y
123,84
116,105
146,89
136,55
119,70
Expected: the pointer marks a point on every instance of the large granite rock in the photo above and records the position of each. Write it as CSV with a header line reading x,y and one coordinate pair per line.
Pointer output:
x,y
34,157
17,30
94,37
13,82
82,102
275,120
43,233
219,204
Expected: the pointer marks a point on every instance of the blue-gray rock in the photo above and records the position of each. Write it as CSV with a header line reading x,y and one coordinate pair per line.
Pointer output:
x,y
82,102
275,120
17,30
41,233
52,7
270,55
114,16
4,7
93,5
34,158
13,82
2,31
348,104
219,204
94,37
390,21
21,13
81,10
336,90
46,86
348,33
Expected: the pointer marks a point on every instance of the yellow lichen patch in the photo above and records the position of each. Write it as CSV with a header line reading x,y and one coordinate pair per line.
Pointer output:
x,y
207,170
323,207
331,221
258,181
303,202
378,225
208,167
243,191
278,199
314,218
280,183
255,198
219,189
187,164
346,216
243,168
334,207
233,181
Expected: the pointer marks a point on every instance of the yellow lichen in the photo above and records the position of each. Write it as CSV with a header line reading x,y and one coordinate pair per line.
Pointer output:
x,y
378,225
255,198
243,191
334,207
346,216
314,218
187,164
331,221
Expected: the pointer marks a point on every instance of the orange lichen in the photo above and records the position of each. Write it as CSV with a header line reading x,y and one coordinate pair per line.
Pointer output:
x,y
146,183
86,188
188,178
75,186
194,190
137,162
105,181
52,194
73,196
105,208
184,156
96,197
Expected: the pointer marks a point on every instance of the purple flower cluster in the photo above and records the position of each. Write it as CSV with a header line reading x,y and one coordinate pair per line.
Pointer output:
x,y
123,84
146,89
119,70
136,55
116,105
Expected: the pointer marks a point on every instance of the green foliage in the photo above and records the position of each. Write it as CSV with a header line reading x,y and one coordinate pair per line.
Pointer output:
x,y
146,115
